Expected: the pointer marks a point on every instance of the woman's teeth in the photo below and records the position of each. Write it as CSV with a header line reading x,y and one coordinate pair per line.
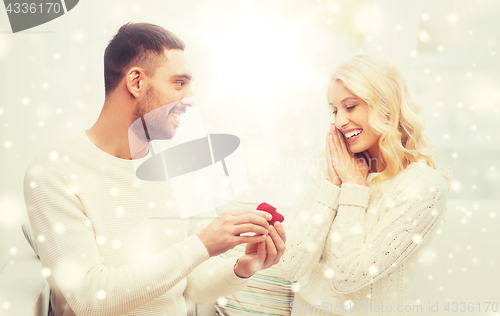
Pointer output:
x,y
353,133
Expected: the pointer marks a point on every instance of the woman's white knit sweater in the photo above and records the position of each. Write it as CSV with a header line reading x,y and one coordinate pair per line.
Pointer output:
x,y
351,246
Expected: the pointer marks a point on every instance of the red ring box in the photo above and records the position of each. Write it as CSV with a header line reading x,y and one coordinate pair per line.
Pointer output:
x,y
277,217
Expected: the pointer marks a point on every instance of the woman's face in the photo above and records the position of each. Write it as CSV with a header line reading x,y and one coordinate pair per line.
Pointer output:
x,y
351,118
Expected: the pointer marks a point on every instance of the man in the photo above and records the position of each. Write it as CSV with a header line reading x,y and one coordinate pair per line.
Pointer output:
x,y
102,249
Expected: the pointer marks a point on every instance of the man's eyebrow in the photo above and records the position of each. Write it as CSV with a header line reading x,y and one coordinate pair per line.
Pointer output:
x,y
183,76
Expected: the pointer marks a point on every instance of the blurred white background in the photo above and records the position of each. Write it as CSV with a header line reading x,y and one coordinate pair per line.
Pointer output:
x,y
261,72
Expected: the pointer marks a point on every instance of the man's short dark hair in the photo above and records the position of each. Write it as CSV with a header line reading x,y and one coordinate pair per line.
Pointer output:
x,y
136,44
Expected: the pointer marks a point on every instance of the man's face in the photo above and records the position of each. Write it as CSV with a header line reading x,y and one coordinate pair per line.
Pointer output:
x,y
168,96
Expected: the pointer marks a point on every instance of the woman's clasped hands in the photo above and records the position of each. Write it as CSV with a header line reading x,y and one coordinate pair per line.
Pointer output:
x,y
343,166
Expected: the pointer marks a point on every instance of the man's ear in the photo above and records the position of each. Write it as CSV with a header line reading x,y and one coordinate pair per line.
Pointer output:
x,y
135,81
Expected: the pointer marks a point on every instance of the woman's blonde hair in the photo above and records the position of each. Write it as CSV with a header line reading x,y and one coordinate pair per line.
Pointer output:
x,y
392,113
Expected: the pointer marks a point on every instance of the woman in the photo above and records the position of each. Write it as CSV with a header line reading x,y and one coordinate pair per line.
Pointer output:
x,y
371,205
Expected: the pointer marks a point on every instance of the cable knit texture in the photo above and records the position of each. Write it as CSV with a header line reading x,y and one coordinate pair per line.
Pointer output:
x,y
351,246
113,244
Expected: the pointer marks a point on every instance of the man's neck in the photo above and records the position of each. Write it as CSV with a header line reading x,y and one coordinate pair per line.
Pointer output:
x,y
110,133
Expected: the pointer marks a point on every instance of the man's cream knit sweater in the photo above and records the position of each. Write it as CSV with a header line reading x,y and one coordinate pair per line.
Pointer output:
x,y
112,244
350,246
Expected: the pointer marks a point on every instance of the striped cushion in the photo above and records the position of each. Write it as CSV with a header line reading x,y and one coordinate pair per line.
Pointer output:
x,y
267,292
29,237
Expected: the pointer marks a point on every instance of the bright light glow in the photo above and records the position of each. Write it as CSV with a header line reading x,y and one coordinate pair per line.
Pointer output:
x,y
262,56
369,19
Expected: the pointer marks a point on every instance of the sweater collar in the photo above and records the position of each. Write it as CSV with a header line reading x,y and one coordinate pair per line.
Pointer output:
x,y
102,155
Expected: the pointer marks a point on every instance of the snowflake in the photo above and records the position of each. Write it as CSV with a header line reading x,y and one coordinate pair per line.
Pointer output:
x,y
453,18
304,216
101,294
424,36
46,272
317,219
116,244
78,36
310,246
53,155
120,211
335,236
59,228
357,229
115,191
101,240
349,304
329,273
221,301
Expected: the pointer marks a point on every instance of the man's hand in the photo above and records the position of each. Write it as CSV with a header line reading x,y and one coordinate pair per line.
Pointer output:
x,y
262,255
224,231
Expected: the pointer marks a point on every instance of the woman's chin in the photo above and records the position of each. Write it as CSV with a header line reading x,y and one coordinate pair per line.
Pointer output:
x,y
358,151
355,150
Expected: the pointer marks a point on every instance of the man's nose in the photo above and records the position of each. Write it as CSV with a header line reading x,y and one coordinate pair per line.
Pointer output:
x,y
189,92
188,99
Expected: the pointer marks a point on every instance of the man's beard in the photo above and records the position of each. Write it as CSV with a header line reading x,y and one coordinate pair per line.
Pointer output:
x,y
151,118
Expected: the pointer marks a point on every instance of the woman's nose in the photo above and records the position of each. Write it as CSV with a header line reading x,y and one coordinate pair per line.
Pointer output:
x,y
341,119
